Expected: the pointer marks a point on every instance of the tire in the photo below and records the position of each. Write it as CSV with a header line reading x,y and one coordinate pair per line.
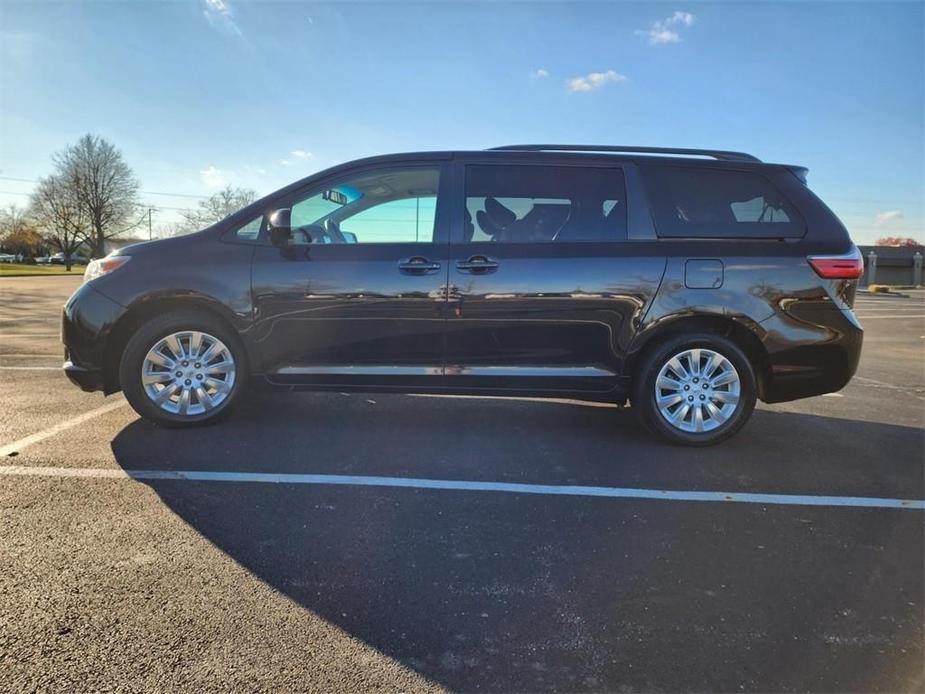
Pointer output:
x,y
725,405
213,388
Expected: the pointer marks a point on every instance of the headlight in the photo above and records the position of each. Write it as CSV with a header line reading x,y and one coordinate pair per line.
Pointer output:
x,y
103,266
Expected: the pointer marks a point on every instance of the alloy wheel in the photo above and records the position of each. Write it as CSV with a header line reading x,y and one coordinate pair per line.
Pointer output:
x,y
697,390
188,373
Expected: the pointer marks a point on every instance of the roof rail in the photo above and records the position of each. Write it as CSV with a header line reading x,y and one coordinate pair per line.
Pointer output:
x,y
722,155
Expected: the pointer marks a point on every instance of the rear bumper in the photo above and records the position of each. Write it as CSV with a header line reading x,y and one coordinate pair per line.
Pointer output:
x,y
811,351
86,325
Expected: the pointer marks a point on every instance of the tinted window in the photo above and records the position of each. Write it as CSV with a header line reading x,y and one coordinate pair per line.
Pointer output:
x,y
540,204
380,206
700,202
758,210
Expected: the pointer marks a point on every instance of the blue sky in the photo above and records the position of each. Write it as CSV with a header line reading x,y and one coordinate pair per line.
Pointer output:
x,y
206,92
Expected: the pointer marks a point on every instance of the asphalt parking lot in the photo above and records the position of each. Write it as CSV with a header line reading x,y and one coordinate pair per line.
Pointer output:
x,y
110,581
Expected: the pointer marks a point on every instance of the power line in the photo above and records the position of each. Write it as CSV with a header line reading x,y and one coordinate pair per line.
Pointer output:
x,y
143,203
146,192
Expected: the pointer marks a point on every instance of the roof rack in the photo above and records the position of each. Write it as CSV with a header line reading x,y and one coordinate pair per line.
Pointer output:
x,y
722,155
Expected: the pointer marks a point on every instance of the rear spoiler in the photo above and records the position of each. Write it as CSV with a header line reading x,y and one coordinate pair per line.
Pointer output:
x,y
800,172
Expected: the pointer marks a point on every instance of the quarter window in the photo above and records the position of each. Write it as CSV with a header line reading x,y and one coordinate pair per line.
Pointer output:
x,y
542,204
707,203
380,206
251,230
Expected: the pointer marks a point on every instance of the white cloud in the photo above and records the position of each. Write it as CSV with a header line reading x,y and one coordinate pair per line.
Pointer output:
x,y
213,177
657,36
284,162
594,80
301,154
220,16
889,216
667,30
539,73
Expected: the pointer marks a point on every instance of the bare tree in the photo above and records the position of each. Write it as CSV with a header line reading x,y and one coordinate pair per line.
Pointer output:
x,y
17,231
214,209
13,218
61,218
102,185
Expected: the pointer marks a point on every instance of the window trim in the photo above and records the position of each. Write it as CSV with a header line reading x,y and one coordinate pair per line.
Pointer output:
x,y
459,200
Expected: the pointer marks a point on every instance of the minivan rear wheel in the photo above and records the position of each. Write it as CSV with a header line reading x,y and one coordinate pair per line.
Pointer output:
x,y
695,390
183,369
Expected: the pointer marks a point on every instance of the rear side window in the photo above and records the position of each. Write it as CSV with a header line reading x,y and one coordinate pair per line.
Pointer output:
x,y
544,204
707,203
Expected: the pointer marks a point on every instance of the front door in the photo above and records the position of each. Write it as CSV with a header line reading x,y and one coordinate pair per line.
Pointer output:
x,y
358,294
544,288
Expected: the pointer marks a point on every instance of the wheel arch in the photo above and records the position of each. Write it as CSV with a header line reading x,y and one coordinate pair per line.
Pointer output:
x,y
149,307
742,331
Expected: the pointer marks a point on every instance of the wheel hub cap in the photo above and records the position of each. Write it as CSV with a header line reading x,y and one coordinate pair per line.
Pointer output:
x,y
188,373
697,390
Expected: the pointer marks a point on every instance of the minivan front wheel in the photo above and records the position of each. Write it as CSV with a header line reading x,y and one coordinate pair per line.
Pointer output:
x,y
183,369
695,390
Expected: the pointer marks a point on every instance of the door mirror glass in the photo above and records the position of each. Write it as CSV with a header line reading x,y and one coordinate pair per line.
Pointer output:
x,y
349,236
280,227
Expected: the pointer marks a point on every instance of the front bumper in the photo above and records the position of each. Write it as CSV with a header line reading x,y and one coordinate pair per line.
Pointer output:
x,y
86,326
86,379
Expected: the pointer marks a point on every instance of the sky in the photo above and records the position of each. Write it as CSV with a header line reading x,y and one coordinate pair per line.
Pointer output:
x,y
202,93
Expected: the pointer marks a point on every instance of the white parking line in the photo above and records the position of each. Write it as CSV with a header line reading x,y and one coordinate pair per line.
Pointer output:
x,y
908,390
18,446
12,334
461,485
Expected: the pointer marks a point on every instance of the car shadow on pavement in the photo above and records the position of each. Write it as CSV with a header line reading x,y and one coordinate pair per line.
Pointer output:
x,y
501,592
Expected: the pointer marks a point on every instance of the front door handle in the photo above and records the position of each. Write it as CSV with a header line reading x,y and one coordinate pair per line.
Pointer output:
x,y
418,265
476,264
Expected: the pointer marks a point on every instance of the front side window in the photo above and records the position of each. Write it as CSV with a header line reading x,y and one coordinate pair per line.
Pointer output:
x,y
380,206
543,204
704,203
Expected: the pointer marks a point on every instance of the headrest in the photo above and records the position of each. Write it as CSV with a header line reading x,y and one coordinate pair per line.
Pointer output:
x,y
499,214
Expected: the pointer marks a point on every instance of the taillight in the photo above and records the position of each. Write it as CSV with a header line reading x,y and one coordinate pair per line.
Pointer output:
x,y
849,266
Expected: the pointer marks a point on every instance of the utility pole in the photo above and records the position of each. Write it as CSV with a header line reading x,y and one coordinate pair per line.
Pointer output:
x,y
149,224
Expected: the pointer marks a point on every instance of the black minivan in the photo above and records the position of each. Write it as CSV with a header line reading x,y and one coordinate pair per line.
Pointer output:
x,y
689,282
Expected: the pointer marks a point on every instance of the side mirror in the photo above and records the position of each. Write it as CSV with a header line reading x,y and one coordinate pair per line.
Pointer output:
x,y
349,236
280,227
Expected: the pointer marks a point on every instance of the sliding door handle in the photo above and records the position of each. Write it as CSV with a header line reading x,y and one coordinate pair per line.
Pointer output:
x,y
418,265
477,263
